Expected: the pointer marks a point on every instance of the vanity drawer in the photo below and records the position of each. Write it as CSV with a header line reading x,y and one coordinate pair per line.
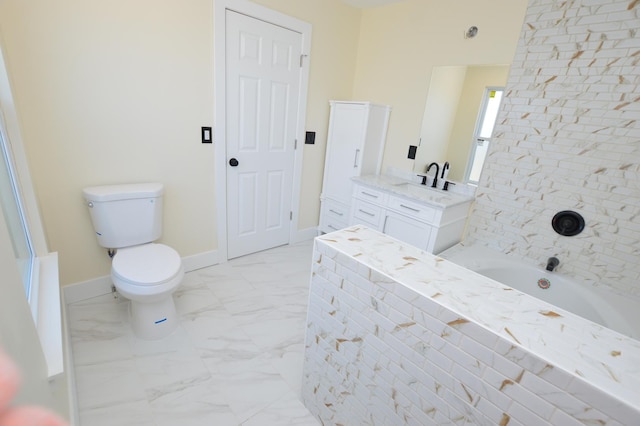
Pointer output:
x,y
333,215
330,226
367,214
409,230
412,209
335,211
370,194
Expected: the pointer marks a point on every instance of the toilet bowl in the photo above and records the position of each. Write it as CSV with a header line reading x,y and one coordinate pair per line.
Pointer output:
x,y
148,275
127,219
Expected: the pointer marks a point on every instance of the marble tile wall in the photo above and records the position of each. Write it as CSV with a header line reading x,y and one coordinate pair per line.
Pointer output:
x,y
380,351
568,138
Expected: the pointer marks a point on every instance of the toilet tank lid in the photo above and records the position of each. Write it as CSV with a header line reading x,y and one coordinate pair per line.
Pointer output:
x,y
122,192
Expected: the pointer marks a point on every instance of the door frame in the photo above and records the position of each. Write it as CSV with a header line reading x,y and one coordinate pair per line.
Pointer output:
x,y
219,86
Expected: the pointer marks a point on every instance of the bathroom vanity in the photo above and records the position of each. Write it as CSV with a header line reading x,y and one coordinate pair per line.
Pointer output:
x,y
430,219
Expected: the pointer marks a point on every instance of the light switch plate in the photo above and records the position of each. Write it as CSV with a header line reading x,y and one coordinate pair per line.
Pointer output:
x,y
412,152
310,138
207,135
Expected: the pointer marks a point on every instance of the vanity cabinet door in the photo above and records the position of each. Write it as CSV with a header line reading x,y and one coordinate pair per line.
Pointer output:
x,y
344,150
408,230
355,144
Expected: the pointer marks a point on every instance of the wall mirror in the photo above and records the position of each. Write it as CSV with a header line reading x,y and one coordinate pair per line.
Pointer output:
x,y
458,96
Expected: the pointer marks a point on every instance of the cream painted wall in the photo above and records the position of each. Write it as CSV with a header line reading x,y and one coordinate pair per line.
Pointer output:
x,y
110,94
402,42
118,93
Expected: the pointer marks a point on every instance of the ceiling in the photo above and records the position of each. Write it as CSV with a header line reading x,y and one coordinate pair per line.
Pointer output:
x,y
369,3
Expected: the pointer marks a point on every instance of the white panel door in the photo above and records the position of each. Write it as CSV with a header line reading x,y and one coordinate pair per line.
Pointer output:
x,y
263,79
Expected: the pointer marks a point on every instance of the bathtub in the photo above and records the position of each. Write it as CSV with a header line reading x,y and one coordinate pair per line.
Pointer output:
x,y
597,304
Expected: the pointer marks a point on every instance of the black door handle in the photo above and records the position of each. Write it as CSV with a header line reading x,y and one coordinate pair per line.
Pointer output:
x,y
233,162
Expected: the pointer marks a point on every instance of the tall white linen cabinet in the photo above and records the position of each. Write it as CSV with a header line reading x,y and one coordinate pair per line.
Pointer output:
x,y
355,145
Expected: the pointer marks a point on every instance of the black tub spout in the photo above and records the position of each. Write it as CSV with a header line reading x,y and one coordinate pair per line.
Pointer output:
x,y
552,263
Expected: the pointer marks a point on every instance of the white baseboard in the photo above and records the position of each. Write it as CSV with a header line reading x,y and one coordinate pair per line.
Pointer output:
x,y
102,285
87,289
305,235
200,260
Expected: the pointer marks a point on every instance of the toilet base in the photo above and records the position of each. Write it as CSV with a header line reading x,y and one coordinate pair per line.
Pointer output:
x,y
155,320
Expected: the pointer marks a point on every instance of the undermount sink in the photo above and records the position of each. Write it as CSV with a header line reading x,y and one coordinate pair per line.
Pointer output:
x,y
417,188
423,192
410,189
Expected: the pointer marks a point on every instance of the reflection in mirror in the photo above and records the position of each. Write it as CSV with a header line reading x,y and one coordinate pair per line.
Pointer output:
x,y
484,131
451,117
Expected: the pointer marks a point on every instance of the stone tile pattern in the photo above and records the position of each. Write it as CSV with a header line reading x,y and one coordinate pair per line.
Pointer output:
x,y
568,138
378,352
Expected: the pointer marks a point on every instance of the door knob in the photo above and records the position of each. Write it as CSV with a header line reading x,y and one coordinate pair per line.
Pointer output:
x,y
233,162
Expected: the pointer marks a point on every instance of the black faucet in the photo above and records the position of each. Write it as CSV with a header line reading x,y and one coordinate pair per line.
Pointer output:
x,y
435,178
444,168
552,263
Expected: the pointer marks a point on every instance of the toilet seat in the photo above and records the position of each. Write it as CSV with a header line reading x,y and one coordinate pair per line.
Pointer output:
x,y
146,265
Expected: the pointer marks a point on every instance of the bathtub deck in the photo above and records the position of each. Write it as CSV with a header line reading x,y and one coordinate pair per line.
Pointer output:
x,y
385,313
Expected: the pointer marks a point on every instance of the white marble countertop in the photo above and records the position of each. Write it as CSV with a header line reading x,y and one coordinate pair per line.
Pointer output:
x,y
608,360
411,190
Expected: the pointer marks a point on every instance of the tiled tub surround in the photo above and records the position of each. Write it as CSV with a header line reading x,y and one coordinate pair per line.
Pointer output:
x,y
568,138
398,336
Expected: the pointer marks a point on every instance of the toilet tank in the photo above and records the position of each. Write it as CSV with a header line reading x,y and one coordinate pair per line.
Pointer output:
x,y
125,215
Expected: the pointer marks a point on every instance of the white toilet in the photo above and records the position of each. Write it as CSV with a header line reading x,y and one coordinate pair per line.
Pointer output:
x,y
129,218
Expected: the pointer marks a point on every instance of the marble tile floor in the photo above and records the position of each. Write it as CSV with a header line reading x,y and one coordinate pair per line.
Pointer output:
x,y
235,359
